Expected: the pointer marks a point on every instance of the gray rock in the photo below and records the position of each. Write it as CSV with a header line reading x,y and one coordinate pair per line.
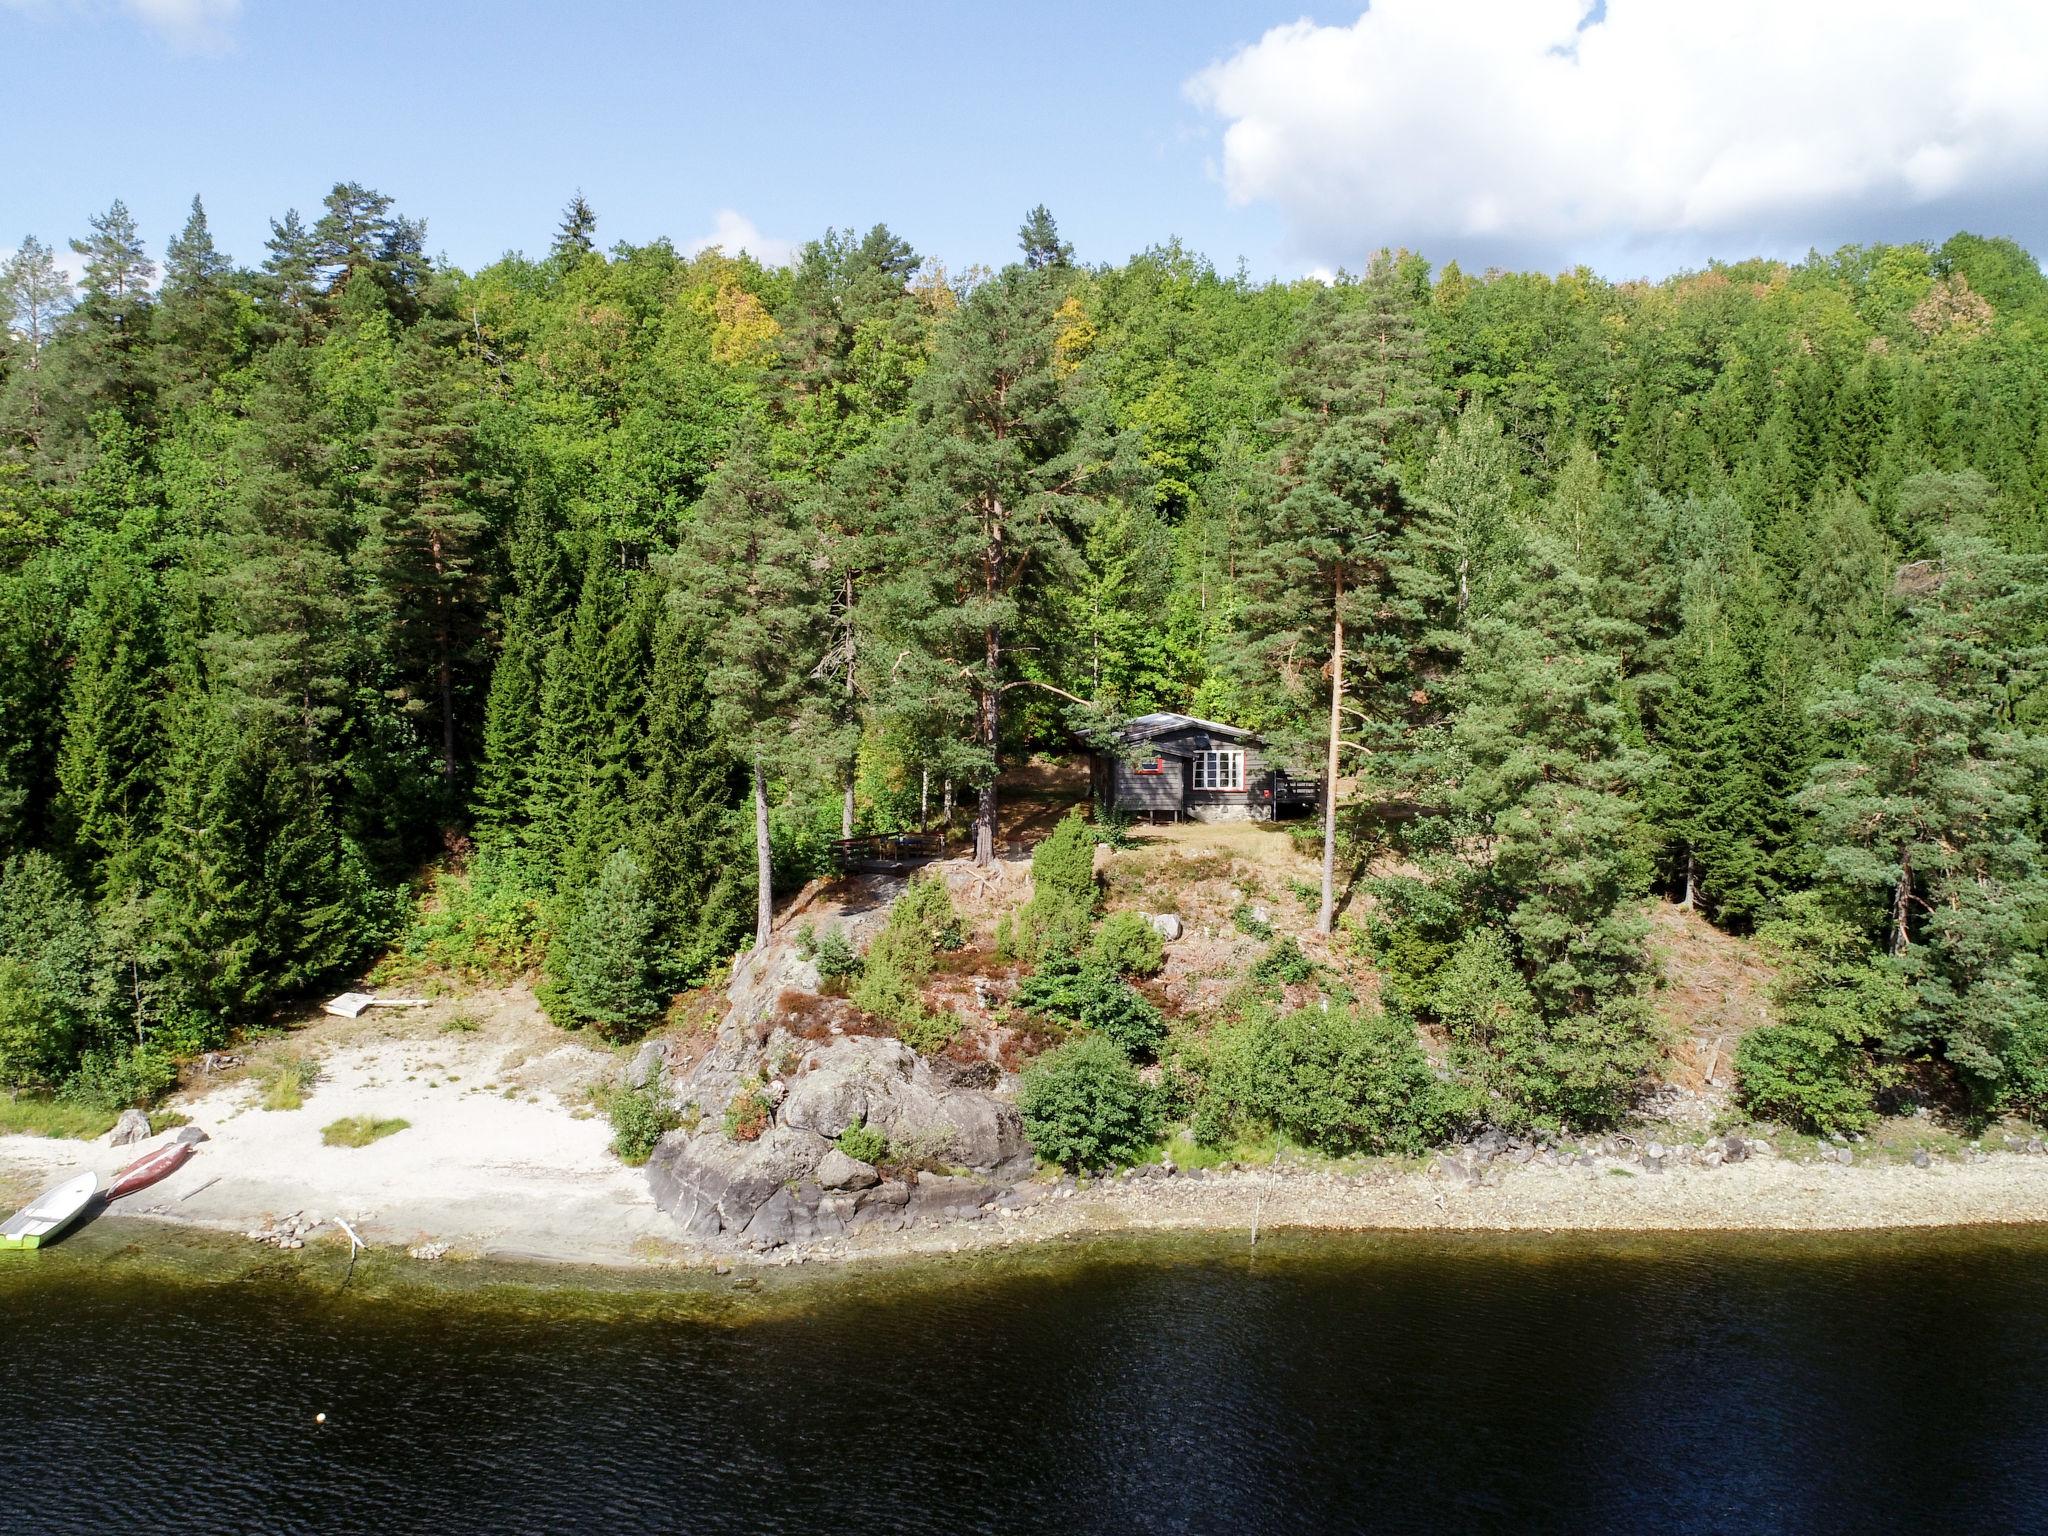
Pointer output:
x,y
1734,1148
945,1195
192,1136
1920,1157
838,1171
133,1126
1165,924
644,1070
711,1185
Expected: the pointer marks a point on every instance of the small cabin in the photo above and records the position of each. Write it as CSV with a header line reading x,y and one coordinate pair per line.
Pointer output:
x,y
1166,767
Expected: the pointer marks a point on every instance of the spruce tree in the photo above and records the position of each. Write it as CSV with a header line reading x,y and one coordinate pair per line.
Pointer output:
x,y
529,628
603,967
112,733
575,235
199,321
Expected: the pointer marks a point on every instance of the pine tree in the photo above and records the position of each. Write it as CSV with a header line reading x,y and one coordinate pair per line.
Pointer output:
x,y
107,365
289,287
1465,531
1929,825
1004,472
1320,582
428,488
756,592
36,296
1039,239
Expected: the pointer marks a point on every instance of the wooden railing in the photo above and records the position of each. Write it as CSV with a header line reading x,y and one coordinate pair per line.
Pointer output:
x,y
886,850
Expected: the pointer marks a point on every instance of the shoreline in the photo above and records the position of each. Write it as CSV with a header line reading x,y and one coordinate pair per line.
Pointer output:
x,y
2002,1190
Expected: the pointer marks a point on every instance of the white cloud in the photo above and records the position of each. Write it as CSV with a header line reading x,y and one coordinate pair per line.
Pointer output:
x,y
733,232
191,26
1558,129
199,25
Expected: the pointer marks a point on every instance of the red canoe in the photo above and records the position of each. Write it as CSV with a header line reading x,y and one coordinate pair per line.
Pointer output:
x,y
145,1171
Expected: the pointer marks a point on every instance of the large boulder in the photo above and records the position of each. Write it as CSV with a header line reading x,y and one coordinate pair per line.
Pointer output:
x,y
712,1185
133,1126
1165,924
885,1084
838,1171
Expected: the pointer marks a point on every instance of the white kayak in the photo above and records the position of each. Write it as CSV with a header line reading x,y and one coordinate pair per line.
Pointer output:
x,y
49,1213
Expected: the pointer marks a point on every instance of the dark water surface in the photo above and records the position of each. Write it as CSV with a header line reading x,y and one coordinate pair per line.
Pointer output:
x,y
1405,1383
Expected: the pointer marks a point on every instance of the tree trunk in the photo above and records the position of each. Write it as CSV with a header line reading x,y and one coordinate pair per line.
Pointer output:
x,y
1692,882
924,800
764,864
852,710
846,809
1326,917
946,809
1902,905
990,731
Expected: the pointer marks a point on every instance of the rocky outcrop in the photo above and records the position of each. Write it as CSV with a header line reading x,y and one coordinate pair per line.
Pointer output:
x,y
133,1126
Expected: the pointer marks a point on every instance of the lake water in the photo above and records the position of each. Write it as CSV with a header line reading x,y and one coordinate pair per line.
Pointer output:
x,y
1397,1383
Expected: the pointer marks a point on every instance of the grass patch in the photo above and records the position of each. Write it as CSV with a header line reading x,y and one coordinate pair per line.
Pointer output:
x,y
361,1130
52,1117
161,1120
464,1023
285,1081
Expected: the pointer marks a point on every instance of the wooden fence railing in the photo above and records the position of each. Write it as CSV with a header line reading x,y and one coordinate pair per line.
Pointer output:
x,y
886,850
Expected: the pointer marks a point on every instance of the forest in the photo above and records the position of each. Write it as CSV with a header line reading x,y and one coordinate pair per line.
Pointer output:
x,y
562,612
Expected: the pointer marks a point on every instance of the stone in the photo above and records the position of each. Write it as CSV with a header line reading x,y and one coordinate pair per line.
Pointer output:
x,y
949,1195
644,1070
1734,1148
711,1185
191,1136
1165,924
838,1171
1920,1157
133,1126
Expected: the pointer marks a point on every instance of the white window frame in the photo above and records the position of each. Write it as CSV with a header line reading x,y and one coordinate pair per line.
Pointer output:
x,y
1219,768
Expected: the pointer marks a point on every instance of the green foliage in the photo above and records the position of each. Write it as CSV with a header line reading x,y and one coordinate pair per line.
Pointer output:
x,y
361,1130
1820,1067
639,1120
1284,965
603,968
1335,1079
1085,1107
1094,997
1247,920
863,1143
64,1119
1128,945
1063,896
483,924
901,959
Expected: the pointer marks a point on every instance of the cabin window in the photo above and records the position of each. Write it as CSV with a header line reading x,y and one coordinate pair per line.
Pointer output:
x,y
1150,765
1220,769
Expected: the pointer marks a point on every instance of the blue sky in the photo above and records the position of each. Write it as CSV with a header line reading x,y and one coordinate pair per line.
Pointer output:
x,y
1646,136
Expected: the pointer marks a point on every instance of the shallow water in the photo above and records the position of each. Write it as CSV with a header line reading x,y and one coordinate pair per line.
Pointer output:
x,y
1666,1383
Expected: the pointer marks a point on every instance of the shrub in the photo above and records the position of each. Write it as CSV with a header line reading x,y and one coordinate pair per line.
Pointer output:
x,y
1816,1068
1577,1068
285,1081
117,1081
1334,1079
488,924
361,1130
1414,927
1250,920
38,1037
461,1023
1095,998
603,966
1285,964
900,960
1062,905
1113,829
1085,1107
746,1116
1127,944
863,1143
836,961
639,1120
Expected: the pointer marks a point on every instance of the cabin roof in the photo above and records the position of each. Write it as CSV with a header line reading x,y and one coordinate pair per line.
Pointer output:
x,y
1146,727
